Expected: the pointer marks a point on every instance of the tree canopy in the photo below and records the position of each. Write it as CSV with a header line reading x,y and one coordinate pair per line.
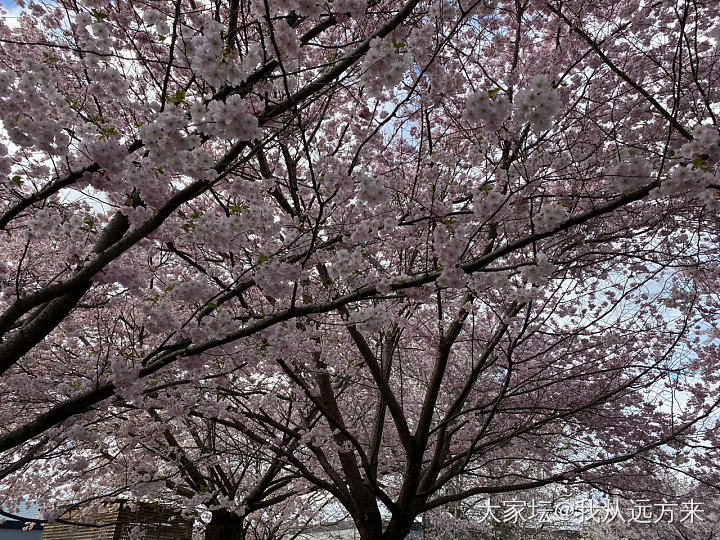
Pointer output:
x,y
261,258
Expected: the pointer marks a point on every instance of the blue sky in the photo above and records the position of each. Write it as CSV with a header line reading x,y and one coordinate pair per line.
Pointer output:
x,y
31,510
11,7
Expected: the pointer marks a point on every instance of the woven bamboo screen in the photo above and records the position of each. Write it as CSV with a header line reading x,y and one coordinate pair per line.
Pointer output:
x,y
155,522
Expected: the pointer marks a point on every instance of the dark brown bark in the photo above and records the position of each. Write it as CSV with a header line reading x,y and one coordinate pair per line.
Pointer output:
x,y
399,527
369,530
44,321
225,525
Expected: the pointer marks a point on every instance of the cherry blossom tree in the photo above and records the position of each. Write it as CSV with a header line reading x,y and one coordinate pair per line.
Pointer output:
x,y
212,471
390,248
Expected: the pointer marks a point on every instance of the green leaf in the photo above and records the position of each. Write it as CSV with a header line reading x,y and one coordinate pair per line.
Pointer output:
x,y
49,59
88,224
99,16
238,209
179,97
17,180
700,163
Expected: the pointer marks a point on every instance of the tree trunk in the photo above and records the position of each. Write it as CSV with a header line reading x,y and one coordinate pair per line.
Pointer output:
x,y
369,531
369,523
398,529
225,525
373,529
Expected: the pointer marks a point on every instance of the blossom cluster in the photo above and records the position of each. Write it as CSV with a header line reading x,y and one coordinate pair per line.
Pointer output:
x,y
304,8
93,33
488,108
538,273
631,173
385,65
229,119
5,161
287,43
549,216
124,375
109,154
24,105
106,79
276,280
209,58
539,103
449,245
372,191
705,146
191,290
486,203
346,262
153,17
161,315
127,275
355,8
44,222
215,230
683,178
